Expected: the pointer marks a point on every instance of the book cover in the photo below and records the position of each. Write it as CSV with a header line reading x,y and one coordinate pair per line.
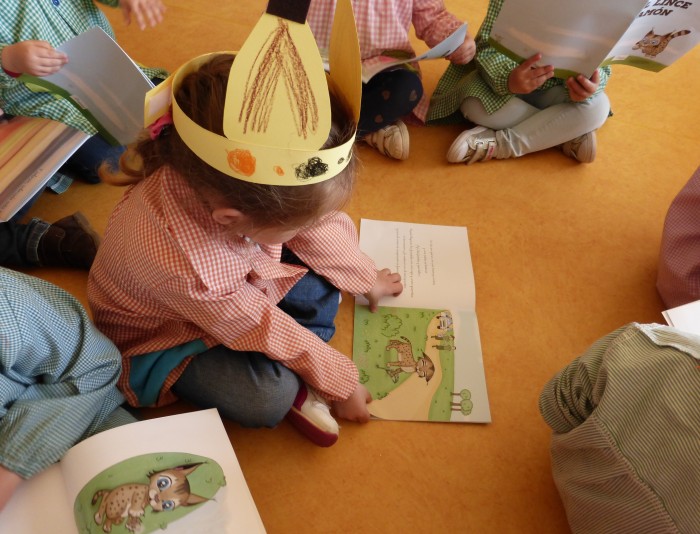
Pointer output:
x,y
103,83
178,473
578,37
420,355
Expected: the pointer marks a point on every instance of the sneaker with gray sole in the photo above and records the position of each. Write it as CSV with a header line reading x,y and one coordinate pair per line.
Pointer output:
x,y
581,148
473,145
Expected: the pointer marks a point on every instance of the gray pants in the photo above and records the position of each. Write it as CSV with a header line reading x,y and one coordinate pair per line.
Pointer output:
x,y
540,120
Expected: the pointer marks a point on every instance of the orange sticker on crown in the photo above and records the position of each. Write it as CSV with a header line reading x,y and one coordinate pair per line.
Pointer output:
x,y
241,161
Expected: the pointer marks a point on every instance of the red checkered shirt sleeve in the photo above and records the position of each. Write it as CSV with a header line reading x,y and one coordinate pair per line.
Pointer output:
x,y
330,248
678,279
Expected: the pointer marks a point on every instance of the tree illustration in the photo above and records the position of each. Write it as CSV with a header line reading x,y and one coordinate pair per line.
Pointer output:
x,y
465,405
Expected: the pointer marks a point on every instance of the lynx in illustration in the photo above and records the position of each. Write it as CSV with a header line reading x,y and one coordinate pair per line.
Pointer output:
x,y
652,44
166,490
423,367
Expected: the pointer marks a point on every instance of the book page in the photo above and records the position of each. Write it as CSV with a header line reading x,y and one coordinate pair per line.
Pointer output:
x,y
686,317
574,37
31,151
193,445
661,33
103,83
134,453
420,354
39,505
452,42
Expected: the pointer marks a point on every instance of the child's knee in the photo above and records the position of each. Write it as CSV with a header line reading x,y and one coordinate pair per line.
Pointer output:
x,y
272,400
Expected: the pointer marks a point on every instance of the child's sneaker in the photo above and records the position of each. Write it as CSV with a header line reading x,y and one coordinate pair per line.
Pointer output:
x,y
311,416
582,148
475,144
390,141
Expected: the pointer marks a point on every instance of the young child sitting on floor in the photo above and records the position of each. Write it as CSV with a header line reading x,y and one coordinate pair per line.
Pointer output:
x,y
518,108
218,272
384,29
58,378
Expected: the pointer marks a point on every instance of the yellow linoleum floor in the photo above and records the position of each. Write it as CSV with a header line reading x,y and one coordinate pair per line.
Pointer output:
x,y
563,253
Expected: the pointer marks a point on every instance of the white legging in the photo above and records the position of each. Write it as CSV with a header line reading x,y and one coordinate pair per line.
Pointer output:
x,y
540,120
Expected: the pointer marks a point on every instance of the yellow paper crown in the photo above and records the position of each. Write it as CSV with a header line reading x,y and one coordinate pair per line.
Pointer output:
x,y
277,113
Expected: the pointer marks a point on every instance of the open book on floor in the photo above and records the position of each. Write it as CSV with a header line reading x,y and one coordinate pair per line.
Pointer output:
x,y
185,463
419,355
31,151
577,37
102,82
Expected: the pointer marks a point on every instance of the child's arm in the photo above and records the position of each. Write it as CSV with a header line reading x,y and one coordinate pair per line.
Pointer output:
x,y
146,12
8,484
37,58
433,23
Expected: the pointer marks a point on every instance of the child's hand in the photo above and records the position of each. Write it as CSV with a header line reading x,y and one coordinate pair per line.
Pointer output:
x,y
144,11
37,58
465,52
528,76
8,483
387,283
581,88
355,407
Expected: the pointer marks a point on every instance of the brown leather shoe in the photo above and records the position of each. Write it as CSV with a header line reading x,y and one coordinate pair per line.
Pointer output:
x,y
69,242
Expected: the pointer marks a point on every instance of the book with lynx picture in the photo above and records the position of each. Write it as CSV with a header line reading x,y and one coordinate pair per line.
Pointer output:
x,y
102,82
419,354
578,37
177,473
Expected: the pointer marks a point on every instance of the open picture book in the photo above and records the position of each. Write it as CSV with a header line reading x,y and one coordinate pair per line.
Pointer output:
x,y
178,474
102,82
578,37
419,354
32,149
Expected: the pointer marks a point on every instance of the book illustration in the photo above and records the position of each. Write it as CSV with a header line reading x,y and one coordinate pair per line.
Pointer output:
x,y
652,44
579,37
129,496
32,149
176,474
102,82
421,361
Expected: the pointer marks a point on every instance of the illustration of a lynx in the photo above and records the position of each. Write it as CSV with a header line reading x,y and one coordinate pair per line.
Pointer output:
x,y
652,44
166,490
407,363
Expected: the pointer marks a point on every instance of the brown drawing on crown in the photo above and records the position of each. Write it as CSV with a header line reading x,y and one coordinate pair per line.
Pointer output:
x,y
278,60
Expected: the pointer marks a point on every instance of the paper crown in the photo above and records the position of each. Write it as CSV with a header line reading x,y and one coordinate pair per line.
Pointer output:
x,y
277,113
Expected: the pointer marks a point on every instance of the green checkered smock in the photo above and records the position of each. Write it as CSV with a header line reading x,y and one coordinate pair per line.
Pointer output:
x,y
54,21
58,375
485,78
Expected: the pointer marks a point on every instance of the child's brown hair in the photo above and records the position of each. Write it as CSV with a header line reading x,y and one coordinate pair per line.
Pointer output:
x,y
202,96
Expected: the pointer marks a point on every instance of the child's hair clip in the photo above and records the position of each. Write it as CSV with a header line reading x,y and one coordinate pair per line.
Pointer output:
x,y
161,126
